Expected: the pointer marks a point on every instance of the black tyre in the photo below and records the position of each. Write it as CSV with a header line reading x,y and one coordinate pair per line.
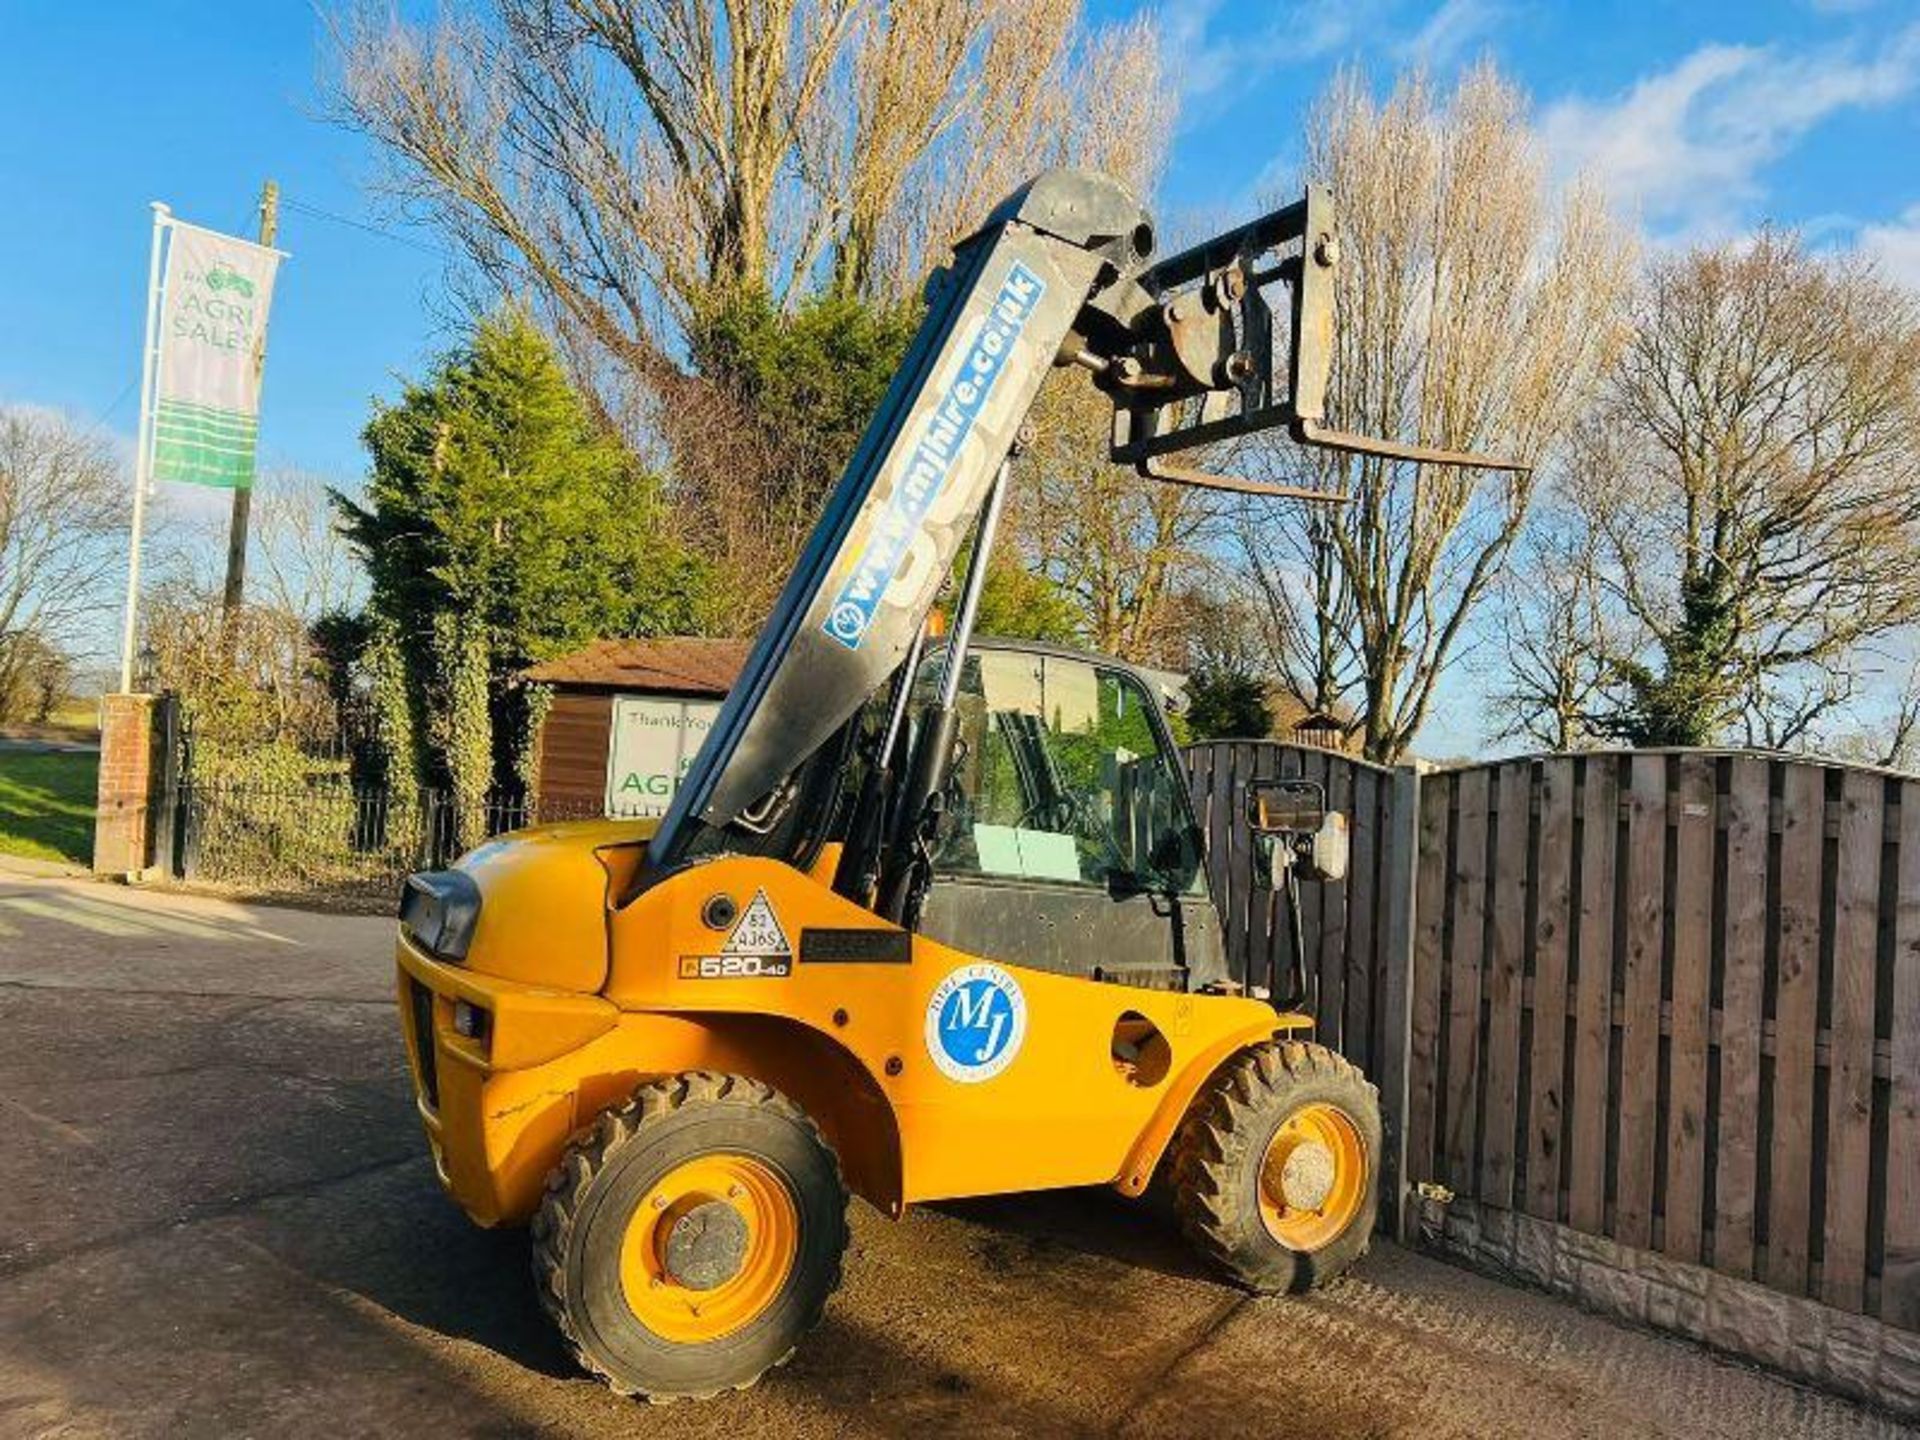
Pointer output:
x,y
691,1238
1275,1169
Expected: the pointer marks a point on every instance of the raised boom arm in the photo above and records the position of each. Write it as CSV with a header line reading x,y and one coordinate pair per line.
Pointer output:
x,y
995,322
1058,274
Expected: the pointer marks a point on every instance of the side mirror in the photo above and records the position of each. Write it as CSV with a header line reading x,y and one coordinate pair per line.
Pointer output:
x,y
1297,832
1330,848
1285,807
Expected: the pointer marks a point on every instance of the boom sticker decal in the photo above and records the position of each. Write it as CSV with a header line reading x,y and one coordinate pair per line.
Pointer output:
x,y
932,460
976,1023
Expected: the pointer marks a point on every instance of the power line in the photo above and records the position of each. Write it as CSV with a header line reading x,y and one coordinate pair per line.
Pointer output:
x,y
395,236
448,256
100,421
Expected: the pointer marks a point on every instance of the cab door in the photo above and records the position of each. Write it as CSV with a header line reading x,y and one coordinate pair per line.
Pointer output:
x,y
1069,843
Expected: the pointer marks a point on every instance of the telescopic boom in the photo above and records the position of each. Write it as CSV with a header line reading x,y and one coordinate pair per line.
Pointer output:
x,y
1059,274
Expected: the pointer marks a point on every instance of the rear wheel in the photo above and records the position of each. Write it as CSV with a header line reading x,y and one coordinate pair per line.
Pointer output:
x,y
692,1237
1274,1170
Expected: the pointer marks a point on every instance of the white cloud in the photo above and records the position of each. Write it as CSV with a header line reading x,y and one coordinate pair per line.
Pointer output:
x,y
1450,30
1895,245
1686,148
1203,65
1216,68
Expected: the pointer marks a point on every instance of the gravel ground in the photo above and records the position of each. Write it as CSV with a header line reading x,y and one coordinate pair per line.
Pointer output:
x,y
220,1221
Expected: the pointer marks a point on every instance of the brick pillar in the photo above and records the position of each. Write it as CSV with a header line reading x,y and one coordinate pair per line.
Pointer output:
x,y
123,826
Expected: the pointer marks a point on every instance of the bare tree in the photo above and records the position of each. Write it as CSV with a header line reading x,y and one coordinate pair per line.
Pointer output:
x,y
623,156
1300,605
254,676
303,565
63,516
644,168
1121,547
942,109
1754,475
1476,311
1895,741
636,159
299,564
1557,630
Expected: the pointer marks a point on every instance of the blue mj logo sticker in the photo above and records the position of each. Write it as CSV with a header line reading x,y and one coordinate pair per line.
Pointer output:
x,y
932,459
976,1023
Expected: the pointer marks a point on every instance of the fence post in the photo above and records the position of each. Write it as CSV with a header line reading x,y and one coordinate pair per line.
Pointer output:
x,y
1394,1065
167,855
429,830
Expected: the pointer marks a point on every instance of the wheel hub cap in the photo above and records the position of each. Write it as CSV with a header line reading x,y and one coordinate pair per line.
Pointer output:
x,y
1307,1177
706,1244
709,1247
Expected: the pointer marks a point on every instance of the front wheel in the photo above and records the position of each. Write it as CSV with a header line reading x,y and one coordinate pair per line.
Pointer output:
x,y
1274,1171
692,1237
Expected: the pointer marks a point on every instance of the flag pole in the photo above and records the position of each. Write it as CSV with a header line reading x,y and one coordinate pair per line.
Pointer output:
x,y
143,452
243,494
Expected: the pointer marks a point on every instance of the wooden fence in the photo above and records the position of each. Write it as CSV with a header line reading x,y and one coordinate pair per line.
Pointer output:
x,y
1674,999
1347,949
1671,998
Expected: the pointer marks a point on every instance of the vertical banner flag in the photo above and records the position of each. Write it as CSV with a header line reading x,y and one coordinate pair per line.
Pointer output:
x,y
213,345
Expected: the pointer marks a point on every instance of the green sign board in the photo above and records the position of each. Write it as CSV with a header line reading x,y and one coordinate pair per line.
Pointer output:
x,y
213,338
651,747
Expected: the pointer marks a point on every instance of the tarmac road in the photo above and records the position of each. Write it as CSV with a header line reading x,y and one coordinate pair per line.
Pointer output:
x,y
45,745
218,1220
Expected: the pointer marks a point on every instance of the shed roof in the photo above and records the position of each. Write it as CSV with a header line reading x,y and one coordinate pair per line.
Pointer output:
x,y
674,664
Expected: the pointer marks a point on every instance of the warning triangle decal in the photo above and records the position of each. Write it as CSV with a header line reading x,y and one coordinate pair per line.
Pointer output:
x,y
758,931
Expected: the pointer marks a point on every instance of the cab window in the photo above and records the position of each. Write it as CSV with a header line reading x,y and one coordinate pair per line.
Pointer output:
x,y
1061,777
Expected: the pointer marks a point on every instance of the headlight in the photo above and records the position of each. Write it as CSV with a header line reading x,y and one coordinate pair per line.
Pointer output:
x,y
469,1020
439,909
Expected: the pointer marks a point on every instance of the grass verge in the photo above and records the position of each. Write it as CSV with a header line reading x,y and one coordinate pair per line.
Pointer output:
x,y
46,805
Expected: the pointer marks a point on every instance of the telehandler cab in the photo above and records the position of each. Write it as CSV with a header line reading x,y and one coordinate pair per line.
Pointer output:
x,y
922,920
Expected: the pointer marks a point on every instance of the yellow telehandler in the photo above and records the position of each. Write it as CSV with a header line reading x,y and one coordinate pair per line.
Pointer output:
x,y
924,919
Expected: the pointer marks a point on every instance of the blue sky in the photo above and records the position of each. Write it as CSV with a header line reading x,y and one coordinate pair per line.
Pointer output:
x,y
1704,117
105,107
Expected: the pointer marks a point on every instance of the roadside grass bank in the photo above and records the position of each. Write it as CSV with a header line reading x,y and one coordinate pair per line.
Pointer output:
x,y
47,804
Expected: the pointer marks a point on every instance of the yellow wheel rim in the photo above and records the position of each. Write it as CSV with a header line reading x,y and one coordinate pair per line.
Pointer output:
x,y
730,1283
1313,1177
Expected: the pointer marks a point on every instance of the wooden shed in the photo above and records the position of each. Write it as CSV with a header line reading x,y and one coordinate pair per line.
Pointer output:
x,y
626,720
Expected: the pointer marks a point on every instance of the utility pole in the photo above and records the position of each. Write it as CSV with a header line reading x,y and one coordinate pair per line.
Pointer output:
x,y
243,494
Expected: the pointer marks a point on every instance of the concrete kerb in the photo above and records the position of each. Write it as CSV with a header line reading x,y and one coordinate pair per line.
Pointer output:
x,y
1852,1355
29,868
